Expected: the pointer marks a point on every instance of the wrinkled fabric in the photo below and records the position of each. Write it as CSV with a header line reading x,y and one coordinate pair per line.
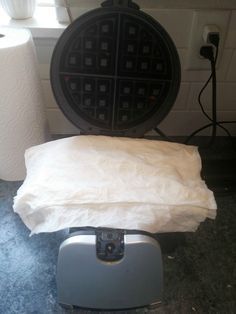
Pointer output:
x,y
103,181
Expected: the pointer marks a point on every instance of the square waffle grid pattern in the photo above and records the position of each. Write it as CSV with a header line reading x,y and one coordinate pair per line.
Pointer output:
x,y
142,53
93,50
116,88
91,98
137,99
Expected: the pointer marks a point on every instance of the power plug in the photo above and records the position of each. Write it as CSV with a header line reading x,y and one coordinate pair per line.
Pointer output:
x,y
207,52
211,35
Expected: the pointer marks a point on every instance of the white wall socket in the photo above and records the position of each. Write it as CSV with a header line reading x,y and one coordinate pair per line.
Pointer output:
x,y
201,18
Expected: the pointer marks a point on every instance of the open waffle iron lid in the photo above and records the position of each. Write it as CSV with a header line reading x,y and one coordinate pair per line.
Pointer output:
x,y
115,71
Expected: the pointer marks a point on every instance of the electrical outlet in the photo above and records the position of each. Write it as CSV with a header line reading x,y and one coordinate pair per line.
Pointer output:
x,y
219,18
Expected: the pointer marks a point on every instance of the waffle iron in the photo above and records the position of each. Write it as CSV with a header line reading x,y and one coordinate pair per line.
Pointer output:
x,y
115,71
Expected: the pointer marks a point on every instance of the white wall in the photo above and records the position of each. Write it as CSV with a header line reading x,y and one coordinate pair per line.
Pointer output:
x,y
185,115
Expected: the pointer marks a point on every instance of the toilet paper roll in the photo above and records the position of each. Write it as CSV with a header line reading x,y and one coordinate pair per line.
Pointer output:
x,y
22,111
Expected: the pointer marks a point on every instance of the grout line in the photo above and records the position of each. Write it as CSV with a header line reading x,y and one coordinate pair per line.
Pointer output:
x,y
188,95
228,67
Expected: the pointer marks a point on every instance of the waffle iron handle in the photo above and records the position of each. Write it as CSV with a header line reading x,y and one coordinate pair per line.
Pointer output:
x,y
120,3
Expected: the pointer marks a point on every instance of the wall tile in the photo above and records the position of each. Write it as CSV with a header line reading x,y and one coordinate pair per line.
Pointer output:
x,y
76,12
182,123
226,4
226,97
180,4
181,100
201,76
231,38
44,49
48,95
176,22
231,76
82,3
44,71
59,124
227,116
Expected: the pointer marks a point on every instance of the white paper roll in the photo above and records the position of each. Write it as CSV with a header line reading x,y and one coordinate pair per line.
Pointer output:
x,y
22,111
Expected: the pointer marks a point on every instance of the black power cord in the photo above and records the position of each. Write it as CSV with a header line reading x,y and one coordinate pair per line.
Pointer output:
x,y
208,53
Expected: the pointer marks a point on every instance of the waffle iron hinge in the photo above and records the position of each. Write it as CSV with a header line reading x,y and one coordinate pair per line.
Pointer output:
x,y
120,3
110,244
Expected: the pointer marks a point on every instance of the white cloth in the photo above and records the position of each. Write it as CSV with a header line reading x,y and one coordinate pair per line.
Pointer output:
x,y
113,182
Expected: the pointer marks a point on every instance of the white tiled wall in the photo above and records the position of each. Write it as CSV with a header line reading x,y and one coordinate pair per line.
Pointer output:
x,y
185,115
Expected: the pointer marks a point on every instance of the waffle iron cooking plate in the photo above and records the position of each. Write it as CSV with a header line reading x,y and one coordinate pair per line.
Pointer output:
x,y
115,71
